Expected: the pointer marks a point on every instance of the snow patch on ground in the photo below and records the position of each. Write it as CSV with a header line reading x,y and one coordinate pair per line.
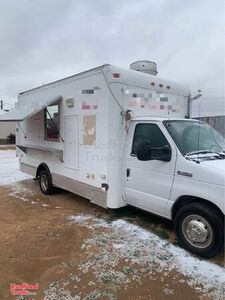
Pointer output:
x,y
9,168
137,246
22,193
57,290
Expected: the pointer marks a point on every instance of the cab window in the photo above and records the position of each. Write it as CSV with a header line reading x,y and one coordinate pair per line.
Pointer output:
x,y
148,133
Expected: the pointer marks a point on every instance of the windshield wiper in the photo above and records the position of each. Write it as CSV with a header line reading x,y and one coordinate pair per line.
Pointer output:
x,y
221,154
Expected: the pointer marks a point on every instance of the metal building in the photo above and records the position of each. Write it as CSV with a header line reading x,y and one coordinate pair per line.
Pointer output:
x,y
210,110
6,129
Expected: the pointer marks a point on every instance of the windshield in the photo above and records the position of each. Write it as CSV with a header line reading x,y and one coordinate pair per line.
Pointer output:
x,y
193,137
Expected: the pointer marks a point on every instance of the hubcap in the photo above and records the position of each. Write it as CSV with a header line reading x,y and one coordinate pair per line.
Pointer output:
x,y
197,231
44,182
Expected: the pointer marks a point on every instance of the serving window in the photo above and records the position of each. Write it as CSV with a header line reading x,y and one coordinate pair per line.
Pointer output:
x,y
52,123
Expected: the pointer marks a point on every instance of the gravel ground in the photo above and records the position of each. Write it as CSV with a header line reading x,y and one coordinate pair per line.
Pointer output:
x,y
75,250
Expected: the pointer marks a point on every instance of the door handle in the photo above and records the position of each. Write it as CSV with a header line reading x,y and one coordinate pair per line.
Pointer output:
x,y
128,173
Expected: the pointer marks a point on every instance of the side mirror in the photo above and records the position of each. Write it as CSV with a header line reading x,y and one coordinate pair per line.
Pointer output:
x,y
166,153
144,151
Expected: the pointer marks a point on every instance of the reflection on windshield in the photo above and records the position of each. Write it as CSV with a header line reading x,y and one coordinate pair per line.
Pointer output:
x,y
194,137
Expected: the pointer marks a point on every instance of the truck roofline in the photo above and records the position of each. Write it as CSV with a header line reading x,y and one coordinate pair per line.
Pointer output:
x,y
64,79
160,119
134,78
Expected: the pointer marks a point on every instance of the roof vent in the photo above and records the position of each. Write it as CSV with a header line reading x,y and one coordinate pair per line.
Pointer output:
x,y
144,66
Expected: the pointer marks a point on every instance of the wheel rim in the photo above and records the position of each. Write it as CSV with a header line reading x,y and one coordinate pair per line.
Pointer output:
x,y
44,182
197,231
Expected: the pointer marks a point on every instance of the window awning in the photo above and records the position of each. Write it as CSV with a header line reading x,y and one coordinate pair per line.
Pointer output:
x,y
23,113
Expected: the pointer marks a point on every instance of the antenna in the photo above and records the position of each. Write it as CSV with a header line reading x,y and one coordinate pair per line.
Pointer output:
x,y
199,111
168,114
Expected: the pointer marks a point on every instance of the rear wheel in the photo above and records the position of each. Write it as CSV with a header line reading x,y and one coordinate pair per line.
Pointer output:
x,y
200,229
45,182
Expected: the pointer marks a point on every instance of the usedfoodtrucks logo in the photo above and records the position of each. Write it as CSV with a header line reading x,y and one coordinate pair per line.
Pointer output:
x,y
23,289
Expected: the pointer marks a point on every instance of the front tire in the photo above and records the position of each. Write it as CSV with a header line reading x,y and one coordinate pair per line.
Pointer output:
x,y
45,182
199,229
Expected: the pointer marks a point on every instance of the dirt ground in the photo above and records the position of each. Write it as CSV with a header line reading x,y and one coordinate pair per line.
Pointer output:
x,y
41,244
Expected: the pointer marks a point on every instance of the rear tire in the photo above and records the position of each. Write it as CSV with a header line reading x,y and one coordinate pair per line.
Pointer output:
x,y
45,182
200,229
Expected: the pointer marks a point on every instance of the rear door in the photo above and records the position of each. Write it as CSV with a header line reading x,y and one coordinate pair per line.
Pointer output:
x,y
148,184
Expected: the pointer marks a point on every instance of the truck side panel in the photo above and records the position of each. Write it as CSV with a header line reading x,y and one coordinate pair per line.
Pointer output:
x,y
89,110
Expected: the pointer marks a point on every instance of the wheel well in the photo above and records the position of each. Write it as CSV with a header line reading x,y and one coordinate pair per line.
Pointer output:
x,y
190,199
42,167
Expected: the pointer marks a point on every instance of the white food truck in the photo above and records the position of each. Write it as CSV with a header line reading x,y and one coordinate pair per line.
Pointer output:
x,y
123,137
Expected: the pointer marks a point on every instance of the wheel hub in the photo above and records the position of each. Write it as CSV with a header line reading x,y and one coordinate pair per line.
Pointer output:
x,y
44,182
197,231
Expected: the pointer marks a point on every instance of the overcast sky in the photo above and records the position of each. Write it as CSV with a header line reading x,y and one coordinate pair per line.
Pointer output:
x,y
41,41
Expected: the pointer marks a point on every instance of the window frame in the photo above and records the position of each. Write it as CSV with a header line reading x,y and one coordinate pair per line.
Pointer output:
x,y
45,124
143,123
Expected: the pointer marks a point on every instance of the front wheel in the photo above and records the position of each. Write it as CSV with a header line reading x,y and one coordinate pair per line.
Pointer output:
x,y
200,229
45,183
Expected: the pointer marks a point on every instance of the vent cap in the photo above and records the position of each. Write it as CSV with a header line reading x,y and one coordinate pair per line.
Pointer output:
x,y
145,66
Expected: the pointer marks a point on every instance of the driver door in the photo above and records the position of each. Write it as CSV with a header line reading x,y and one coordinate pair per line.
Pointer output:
x,y
148,184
